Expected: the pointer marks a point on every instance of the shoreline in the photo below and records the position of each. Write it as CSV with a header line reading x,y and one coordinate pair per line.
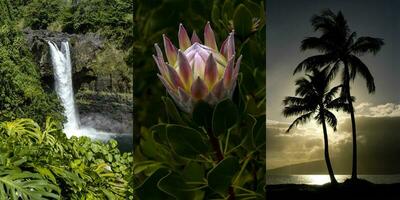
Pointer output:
x,y
360,189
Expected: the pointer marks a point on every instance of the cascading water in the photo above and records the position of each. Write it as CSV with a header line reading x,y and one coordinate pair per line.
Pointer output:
x,y
63,84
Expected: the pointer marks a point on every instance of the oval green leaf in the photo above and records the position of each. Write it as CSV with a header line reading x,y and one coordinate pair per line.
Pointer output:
x,y
225,116
185,141
220,177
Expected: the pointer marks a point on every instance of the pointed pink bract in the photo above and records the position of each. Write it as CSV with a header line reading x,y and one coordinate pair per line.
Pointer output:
x,y
199,89
170,50
211,71
184,41
195,38
209,37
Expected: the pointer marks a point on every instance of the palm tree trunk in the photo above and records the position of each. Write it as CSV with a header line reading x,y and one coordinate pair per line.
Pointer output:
x,y
353,121
354,135
326,152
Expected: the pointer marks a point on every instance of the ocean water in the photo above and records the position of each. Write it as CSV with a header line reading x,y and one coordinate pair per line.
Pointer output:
x,y
320,179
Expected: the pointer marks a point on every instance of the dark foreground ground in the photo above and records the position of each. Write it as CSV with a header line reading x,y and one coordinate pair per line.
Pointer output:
x,y
348,190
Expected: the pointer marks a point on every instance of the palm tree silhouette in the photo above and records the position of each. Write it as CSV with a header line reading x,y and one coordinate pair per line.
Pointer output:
x,y
340,48
314,99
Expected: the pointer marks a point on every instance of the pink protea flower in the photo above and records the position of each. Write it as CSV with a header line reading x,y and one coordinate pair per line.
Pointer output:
x,y
198,71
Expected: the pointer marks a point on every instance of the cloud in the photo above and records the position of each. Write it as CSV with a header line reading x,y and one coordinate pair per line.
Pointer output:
x,y
382,110
378,138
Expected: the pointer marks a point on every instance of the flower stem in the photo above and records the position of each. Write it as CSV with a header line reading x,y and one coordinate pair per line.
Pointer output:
x,y
217,149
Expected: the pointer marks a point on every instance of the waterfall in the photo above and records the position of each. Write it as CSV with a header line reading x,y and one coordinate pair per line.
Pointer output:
x,y
62,68
63,84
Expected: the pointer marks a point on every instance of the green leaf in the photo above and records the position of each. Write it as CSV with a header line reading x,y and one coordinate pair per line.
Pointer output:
x,y
172,111
220,177
149,190
28,185
259,132
193,172
185,141
174,185
242,21
160,133
225,116
202,114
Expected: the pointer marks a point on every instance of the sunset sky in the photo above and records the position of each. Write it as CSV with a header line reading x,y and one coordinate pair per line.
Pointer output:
x,y
378,114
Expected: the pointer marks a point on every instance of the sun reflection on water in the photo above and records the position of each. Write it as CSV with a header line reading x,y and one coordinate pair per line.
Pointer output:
x,y
317,179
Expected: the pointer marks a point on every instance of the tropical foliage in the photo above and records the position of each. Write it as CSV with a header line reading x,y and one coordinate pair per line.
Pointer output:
x,y
41,163
21,92
215,151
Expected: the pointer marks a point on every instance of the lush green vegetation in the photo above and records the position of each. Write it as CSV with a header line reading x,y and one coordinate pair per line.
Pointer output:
x,y
216,152
40,162
21,92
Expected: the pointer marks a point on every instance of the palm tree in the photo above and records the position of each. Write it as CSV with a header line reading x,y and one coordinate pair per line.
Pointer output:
x,y
340,49
314,99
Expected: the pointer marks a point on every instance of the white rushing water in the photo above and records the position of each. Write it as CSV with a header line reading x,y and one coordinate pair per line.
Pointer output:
x,y
61,61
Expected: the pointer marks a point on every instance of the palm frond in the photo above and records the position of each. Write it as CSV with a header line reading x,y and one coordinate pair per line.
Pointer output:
x,y
367,45
294,101
316,43
317,61
293,110
300,120
331,119
357,66
331,94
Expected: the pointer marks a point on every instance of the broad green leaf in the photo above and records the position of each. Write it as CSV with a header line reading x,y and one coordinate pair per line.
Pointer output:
x,y
148,190
202,114
220,177
193,172
185,141
225,115
160,133
175,186
242,21
172,111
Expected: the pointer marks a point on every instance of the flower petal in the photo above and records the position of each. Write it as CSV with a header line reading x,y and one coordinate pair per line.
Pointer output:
x,y
209,37
170,50
198,66
185,71
199,89
159,52
228,74
174,78
184,41
161,66
210,71
195,38
228,46
237,67
218,90
166,84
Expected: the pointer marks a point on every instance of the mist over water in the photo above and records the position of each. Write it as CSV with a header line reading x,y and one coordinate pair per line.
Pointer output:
x,y
61,61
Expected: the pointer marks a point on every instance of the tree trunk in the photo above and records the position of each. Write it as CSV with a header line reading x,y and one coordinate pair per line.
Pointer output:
x,y
353,120
326,152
